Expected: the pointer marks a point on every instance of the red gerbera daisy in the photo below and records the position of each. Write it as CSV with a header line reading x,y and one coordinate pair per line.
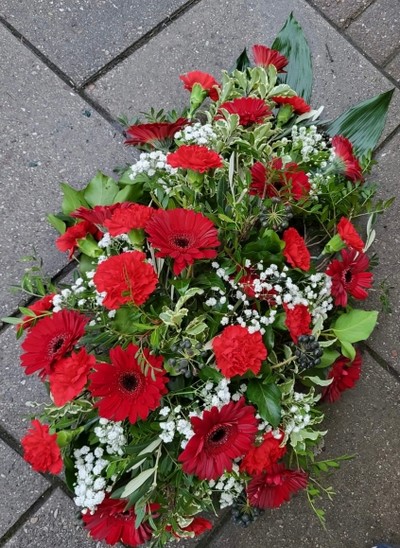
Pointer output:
x,y
41,449
263,57
238,351
220,436
349,234
249,109
156,135
298,104
183,235
343,150
39,308
128,216
345,374
296,252
70,376
50,340
69,240
297,320
125,278
206,81
277,485
124,389
276,180
113,522
195,157
262,457
349,276
97,215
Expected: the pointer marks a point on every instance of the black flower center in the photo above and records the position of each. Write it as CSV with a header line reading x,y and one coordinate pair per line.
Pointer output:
x,y
218,435
348,276
182,241
56,344
129,382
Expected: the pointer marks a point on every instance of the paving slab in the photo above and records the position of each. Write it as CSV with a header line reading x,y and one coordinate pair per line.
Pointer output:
x,y
366,508
48,135
377,30
20,486
393,68
198,41
54,525
340,11
82,36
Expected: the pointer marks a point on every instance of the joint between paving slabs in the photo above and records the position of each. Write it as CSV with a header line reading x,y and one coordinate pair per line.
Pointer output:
x,y
390,57
382,362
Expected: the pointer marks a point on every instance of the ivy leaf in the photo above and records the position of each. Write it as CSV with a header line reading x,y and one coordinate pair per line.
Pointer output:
x,y
267,398
355,326
101,190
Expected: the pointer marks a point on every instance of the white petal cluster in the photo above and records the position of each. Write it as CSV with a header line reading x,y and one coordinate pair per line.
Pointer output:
x,y
229,486
308,140
216,395
90,486
151,162
111,434
196,134
175,423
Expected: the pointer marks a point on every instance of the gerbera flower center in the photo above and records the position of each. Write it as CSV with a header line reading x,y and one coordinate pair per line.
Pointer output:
x,y
218,435
56,344
348,275
183,241
129,382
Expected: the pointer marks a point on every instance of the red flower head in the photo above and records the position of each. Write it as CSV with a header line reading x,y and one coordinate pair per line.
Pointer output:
x,y
238,351
296,252
263,57
40,307
349,234
262,457
97,215
183,235
249,109
220,436
297,320
277,485
276,180
70,376
198,526
247,284
41,449
124,389
50,340
298,104
206,81
126,278
195,157
157,135
343,150
113,523
128,216
345,375
69,240
349,276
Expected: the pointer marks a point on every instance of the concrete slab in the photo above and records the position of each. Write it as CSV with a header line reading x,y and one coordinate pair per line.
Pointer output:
x,y
82,36
340,11
20,486
48,135
393,68
198,41
377,31
366,508
54,525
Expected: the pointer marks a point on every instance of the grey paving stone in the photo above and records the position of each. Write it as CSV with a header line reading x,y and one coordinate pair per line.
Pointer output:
x,y
20,486
340,11
48,134
393,68
82,36
365,510
54,525
377,31
198,41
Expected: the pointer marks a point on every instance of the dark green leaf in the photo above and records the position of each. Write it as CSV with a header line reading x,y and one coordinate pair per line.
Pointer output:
x,y
267,398
242,62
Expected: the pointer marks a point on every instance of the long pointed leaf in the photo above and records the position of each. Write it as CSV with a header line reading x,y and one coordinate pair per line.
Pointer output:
x,y
242,62
363,123
292,43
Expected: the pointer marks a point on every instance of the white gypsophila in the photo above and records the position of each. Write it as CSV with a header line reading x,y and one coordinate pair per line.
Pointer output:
x,y
229,487
175,423
90,487
151,162
216,395
197,134
111,434
308,140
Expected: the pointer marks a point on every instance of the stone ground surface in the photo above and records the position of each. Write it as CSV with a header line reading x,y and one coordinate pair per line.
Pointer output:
x,y
69,68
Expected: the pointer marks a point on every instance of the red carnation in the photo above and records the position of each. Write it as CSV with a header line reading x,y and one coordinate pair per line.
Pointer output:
x,y
206,81
261,457
277,485
50,340
69,240
349,276
298,104
296,252
41,449
238,351
126,278
156,135
128,216
70,376
220,436
343,150
127,388
195,157
345,374
183,235
349,234
113,522
198,526
39,308
97,215
276,180
249,109
297,320
263,57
